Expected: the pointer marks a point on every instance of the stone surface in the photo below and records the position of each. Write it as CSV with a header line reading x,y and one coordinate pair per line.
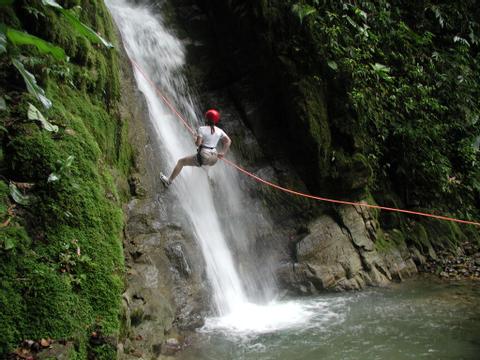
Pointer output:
x,y
329,253
341,255
57,351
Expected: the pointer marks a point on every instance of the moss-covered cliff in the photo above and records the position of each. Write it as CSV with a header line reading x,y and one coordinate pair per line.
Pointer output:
x,y
61,258
367,99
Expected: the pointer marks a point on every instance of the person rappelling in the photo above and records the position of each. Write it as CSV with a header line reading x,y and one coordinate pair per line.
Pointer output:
x,y
206,140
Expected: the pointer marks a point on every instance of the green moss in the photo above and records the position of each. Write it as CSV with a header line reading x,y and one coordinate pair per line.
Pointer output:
x,y
11,319
389,219
51,294
389,240
64,274
103,352
350,174
444,235
314,118
418,236
4,191
381,243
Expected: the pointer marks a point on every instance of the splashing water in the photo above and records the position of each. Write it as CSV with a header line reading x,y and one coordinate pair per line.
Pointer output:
x,y
161,57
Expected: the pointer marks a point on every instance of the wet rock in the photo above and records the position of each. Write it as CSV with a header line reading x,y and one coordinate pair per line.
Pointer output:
x,y
361,227
342,255
417,257
335,260
57,351
171,347
176,254
295,279
400,264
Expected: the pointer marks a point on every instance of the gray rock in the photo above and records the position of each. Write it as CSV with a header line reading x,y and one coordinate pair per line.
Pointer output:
x,y
330,256
176,255
417,256
342,256
360,226
295,279
57,351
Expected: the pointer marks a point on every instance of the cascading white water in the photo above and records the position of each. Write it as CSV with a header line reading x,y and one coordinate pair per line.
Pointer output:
x,y
161,57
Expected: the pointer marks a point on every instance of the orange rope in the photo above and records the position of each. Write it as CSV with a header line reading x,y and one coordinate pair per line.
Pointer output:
x,y
297,193
165,100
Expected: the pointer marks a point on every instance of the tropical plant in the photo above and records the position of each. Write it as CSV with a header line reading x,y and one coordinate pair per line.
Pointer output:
x,y
20,38
411,75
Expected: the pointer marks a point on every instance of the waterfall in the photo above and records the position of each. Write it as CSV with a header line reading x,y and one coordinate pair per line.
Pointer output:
x,y
161,56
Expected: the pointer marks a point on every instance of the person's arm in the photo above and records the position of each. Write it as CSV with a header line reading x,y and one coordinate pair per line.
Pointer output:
x,y
226,142
198,138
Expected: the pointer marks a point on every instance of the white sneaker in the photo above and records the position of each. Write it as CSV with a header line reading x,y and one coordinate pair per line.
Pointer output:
x,y
164,180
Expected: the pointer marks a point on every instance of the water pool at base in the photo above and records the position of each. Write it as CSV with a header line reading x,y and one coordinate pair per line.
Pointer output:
x,y
421,318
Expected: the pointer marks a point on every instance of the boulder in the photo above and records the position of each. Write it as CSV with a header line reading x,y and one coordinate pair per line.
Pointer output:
x,y
340,254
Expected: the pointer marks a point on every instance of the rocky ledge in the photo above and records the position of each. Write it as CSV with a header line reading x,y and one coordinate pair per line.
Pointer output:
x,y
464,264
341,252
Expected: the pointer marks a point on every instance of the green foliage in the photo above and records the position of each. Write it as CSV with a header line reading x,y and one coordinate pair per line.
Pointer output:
x,y
18,197
411,78
61,258
3,42
31,84
52,3
22,38
303,11
77,25
35,115
104,352
63,169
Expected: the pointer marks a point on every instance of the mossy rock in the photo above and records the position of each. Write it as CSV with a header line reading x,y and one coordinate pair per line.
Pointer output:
x,y
351,174
388,240
419,237
312,119
63,271
389,219
444,235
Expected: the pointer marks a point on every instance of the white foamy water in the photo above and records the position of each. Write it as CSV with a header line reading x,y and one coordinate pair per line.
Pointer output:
x,y
251,319
161,57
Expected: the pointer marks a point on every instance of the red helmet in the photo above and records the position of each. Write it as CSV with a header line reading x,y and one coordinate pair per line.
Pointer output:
x,y
213,115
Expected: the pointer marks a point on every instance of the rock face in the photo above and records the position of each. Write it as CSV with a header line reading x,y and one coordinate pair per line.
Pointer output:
x,y
341,255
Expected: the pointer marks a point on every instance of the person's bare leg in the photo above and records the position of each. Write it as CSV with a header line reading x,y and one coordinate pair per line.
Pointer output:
x,y
186,161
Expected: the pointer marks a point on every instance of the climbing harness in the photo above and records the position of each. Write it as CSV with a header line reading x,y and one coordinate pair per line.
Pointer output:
x,y
199,155
293,192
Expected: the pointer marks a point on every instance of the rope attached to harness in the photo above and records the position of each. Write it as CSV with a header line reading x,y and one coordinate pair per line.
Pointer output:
x,y
293,192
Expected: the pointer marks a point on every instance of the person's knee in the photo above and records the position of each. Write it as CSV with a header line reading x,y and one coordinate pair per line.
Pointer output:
x,y
181,162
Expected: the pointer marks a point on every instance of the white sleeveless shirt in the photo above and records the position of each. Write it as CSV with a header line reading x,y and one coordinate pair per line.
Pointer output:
x,y
210,140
